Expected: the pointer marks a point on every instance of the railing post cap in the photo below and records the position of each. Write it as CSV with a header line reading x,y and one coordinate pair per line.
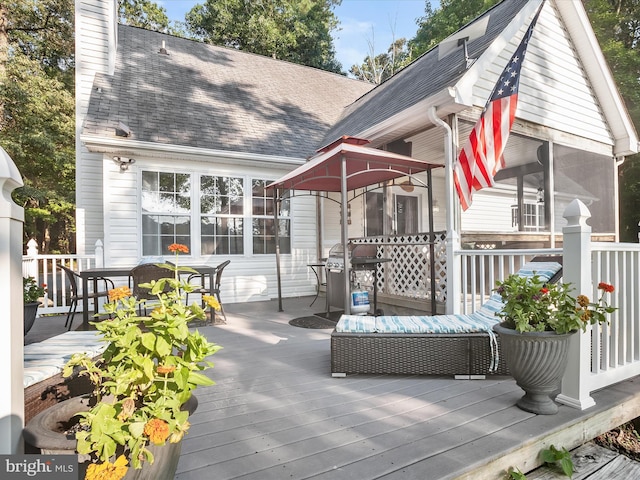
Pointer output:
x,y
577,213
10,177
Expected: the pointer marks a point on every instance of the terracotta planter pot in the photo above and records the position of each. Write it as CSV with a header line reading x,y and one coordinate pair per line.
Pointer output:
x,y
30,313
537,361
46,432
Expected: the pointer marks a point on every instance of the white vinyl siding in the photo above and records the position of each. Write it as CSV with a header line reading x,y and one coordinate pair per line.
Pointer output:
x,y
95,32
554,89
249,277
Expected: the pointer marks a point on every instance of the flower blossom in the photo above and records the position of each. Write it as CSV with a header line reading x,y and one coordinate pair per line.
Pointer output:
x,y
119,293
178,247
606,287
128,407
107,470
164,369
583,300
157,430
211,301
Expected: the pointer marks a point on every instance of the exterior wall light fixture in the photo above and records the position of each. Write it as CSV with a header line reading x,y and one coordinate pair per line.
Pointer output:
x,y
123,162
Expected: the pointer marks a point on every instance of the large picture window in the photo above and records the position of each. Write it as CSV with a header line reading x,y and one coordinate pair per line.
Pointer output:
x,y
166,211
210,214
221,215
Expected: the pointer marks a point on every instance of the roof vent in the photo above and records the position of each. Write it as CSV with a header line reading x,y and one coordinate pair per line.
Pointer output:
x,y
163,50
123,130
460,39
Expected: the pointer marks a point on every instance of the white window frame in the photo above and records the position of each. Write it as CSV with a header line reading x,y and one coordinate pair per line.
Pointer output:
x,y
195,248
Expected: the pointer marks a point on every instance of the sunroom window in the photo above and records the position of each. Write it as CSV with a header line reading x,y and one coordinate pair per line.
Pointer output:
x,y
221,215
212,215
166,211
263,223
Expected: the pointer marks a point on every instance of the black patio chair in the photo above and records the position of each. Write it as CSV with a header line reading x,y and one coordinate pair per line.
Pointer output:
x,y
74,280
145,273
214,289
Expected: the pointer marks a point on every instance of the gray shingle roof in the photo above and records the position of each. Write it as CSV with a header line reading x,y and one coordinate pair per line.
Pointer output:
x,y
215,98
424,77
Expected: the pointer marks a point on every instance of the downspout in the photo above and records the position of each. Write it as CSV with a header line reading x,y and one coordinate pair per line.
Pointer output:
x,y
453,239
619,160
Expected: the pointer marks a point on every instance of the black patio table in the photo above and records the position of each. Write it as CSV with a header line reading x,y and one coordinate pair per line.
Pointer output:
x,y
94,274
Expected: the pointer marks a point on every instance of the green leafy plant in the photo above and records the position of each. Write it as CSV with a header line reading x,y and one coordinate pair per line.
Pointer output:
x,y
516,474
531,305
562,457
32,291
148,370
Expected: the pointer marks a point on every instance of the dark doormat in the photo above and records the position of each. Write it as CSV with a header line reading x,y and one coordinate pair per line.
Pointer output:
x,y
312,321
335,316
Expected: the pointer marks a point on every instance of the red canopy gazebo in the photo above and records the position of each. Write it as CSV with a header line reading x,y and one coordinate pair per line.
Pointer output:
x,y
342,166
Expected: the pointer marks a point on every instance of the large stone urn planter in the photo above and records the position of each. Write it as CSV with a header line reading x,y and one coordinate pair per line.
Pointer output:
x,y
537,361
30,313
46,431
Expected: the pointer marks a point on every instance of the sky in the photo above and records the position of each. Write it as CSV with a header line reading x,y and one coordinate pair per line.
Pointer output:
x,y
361,22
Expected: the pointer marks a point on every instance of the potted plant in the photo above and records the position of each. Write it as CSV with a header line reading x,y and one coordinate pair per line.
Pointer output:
x,y
136,418
538,322
32,292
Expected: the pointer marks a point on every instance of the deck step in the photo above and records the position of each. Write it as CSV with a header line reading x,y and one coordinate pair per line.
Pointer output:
x,y
592,462
519,447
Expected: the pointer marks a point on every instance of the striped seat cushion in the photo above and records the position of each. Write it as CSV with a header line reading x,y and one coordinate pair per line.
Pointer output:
x,y
475,322
45,359
479,321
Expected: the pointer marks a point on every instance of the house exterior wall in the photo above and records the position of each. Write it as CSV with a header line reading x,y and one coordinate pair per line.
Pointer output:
x,y
249,277
95,52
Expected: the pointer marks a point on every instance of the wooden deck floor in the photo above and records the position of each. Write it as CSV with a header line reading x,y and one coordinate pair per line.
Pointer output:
x,y
276,413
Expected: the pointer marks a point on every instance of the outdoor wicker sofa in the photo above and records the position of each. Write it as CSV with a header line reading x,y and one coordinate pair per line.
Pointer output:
x,y
43,382
460,345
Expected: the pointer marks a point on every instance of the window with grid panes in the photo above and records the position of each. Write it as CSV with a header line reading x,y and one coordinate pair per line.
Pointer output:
x,y
221,215
166,211
263,222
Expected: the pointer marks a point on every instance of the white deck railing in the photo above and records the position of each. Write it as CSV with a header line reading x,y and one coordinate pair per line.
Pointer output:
x,y
605,354
610,353
44,268
615,348
480,269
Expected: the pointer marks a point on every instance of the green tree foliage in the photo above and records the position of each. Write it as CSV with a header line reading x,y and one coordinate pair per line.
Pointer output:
x,y
438,24
148,15
377,68
297,31
37,114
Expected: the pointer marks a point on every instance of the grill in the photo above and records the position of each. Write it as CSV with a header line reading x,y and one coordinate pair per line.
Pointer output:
x,y
334,269
362,257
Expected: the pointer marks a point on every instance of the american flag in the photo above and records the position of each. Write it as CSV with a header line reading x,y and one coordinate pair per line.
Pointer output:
x,y
481,157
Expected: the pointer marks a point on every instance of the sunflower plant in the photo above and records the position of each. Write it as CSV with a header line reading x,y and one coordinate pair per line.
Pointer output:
x,y
147,372
532,305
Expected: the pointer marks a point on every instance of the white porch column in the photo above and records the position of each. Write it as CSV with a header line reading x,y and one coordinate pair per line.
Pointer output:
x,y
11,310
577,271
99,254
32,267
